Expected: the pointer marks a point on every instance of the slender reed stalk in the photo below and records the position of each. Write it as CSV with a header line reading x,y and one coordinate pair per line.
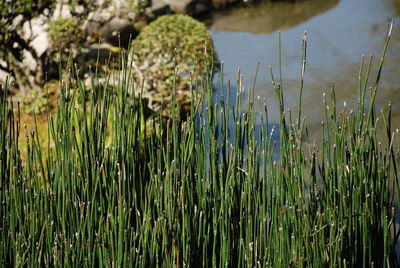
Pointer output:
x,y
117,188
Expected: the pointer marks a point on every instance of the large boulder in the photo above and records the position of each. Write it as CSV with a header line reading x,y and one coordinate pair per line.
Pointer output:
x,y
158,8
113,29
116,21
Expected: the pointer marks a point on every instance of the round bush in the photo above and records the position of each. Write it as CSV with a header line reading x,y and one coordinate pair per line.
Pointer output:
x,y
172,44
64,33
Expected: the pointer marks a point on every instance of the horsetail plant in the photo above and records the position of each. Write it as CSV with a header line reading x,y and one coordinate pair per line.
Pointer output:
x,y
119,189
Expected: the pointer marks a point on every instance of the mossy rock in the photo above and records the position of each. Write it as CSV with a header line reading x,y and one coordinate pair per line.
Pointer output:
x,y
64,33
172,49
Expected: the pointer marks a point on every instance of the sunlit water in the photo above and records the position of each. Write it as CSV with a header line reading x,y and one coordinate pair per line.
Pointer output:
x,y
338,33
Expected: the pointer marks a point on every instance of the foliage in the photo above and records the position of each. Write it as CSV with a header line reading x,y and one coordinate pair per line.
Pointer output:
x,y
172,49
13,16
16,17
35,101
138,6
219,189
64,33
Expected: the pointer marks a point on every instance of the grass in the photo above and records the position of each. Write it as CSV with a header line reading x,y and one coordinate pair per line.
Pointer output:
x,y
208,191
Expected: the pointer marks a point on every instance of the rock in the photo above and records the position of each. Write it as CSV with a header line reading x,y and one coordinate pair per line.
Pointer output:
x,y
158,8
190,7
95,21
118,30
37,28
198,7
109,29
62,11
99,16
98,55
3,76
222,3
119,17
179,6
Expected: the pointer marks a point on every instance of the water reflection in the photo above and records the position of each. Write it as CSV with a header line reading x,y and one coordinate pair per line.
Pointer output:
x,y
336,41
396,6
269,17
269,130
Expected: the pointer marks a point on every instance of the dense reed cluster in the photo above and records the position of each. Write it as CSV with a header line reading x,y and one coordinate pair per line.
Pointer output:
x,y
223,187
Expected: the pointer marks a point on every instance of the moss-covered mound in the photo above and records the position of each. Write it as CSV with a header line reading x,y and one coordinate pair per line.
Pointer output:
x,y
172,44
64,33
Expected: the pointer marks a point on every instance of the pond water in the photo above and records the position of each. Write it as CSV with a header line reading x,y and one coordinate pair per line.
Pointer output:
x,y
338,33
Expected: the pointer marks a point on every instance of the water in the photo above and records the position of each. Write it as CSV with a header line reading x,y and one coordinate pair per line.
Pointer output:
x,y
338,33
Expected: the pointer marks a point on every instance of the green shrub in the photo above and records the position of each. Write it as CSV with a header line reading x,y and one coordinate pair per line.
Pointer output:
x,y
138,6
172,43
64,33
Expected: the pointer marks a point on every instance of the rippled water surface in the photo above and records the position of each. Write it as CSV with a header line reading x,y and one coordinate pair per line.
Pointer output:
x,y
338,33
